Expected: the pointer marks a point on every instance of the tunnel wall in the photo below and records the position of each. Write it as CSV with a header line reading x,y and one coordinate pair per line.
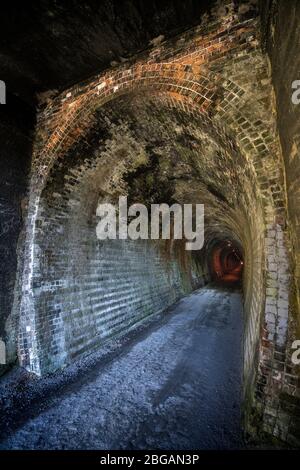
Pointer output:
x,y
86,290
92,290
16,129
281,33
280,39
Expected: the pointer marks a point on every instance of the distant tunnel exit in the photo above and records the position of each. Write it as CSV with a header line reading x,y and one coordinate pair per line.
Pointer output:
x,y
227,262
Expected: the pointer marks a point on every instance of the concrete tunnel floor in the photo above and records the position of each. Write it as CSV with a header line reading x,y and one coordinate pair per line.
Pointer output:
x,y
176,385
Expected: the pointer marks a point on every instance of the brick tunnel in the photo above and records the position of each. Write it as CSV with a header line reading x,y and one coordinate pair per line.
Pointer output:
x,y
190,111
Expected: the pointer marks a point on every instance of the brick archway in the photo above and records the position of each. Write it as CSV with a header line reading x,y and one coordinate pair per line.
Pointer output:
x,y
187,81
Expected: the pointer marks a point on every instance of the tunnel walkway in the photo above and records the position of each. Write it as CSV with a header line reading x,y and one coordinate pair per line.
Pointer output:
x,y
177,387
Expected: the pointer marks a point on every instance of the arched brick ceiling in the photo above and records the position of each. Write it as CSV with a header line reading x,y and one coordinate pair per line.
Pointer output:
x,y
196,85
128,151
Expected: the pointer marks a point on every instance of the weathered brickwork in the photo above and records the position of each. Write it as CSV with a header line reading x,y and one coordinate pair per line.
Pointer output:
x,y
279,376
81,304
189,121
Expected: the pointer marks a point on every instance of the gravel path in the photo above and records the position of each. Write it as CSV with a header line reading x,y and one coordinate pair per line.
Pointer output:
x,y
176,387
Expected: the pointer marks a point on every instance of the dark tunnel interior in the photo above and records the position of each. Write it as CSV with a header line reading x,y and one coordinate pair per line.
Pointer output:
x,y
140,342
227,262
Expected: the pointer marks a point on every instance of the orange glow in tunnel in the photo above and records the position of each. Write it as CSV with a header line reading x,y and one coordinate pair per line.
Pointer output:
x,y
227,262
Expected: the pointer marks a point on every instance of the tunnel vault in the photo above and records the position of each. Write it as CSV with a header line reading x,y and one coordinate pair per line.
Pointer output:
x,y
188,121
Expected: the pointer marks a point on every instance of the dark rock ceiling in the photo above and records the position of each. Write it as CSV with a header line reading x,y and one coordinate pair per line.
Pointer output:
x,y
48,44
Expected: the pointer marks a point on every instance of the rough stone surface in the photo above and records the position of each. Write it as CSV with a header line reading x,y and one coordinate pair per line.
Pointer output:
x,y
16,127
58,44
